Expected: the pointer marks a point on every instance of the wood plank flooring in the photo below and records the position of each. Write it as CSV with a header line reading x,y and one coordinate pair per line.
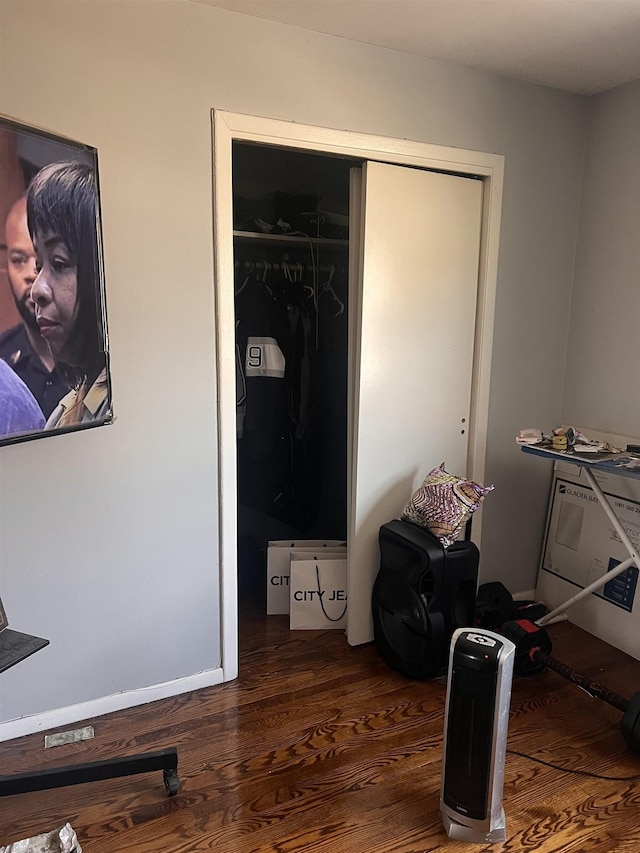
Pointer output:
x,y
320,747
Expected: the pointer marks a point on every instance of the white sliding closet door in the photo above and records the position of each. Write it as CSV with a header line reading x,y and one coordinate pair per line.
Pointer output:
x,y
413,358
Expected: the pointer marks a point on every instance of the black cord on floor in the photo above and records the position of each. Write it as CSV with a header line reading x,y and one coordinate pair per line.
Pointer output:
x,y
571,770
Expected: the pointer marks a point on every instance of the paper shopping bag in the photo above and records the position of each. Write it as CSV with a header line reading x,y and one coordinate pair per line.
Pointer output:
x,y
317,593
278,555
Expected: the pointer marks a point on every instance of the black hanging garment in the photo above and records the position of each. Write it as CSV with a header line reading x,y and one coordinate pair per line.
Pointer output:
x,y
293,504
261,395
272,398
328,426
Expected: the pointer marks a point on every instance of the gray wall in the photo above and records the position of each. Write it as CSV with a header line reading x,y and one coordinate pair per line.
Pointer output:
x,y
109,539
602,383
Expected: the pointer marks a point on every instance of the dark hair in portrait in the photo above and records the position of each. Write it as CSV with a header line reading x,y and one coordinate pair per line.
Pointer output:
x,y
61,199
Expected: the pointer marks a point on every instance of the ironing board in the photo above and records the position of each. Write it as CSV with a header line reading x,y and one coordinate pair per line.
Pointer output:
x,y
620,464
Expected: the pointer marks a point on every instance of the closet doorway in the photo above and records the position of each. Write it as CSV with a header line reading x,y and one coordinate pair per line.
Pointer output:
x,y
291,295
378,476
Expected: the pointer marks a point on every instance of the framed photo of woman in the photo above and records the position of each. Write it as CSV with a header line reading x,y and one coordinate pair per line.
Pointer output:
x,y
54,360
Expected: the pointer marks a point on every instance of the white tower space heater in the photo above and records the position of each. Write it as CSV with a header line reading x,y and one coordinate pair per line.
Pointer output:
x,y
475,735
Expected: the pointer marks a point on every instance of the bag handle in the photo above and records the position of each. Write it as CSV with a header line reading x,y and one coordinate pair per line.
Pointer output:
x,y
330,618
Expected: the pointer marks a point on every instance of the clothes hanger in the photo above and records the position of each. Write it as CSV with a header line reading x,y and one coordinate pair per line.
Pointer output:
x,y
327,287
265,276
243,285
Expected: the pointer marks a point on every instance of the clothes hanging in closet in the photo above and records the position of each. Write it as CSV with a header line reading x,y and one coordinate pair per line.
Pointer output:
x,y
273,380
291,341
329,427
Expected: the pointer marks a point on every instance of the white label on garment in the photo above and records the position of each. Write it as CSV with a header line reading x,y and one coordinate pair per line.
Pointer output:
x,y
264,358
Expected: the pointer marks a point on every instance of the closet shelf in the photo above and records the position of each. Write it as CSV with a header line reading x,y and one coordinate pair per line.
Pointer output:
x,y
288,239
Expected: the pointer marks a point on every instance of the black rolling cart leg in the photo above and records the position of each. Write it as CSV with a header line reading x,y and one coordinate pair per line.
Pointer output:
x,y
94,771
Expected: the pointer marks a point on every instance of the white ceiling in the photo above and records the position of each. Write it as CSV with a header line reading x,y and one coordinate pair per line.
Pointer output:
x,y
584,46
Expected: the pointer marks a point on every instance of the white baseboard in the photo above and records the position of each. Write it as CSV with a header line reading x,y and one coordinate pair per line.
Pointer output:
x,y
107,704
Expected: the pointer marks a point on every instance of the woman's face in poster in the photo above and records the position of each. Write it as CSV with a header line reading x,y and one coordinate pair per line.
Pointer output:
x,y
55,290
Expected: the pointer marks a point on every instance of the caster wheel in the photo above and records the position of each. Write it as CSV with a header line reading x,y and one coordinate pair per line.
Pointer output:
x,y
171,782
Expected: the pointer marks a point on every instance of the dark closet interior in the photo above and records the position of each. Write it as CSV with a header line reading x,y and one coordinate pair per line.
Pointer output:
x,y
291,257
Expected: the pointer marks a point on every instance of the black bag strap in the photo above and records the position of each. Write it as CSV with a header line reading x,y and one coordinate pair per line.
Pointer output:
x,y
330,618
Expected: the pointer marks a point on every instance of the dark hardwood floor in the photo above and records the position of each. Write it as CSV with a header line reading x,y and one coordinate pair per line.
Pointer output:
x,y
320,747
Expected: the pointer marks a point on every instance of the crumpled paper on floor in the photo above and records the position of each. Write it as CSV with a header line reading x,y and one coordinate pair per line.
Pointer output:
x,y
59,841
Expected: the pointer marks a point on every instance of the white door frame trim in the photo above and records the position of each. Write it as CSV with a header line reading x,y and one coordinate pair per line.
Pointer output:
x,y
229,127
